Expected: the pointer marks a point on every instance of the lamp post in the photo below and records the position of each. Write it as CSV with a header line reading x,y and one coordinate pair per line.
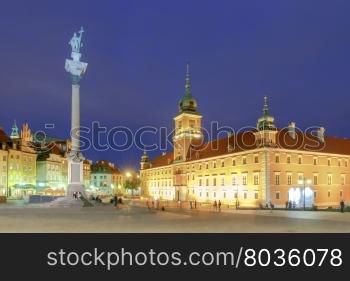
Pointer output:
x,y
303,182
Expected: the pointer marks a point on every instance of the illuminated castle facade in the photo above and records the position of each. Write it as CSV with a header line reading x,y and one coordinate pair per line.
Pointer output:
x,y
251,168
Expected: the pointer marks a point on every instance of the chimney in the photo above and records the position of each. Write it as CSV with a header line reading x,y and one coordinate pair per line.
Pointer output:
x,y
291,130
320,134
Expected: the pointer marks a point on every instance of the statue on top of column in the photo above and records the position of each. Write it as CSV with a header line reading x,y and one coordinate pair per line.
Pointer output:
x,y
75,42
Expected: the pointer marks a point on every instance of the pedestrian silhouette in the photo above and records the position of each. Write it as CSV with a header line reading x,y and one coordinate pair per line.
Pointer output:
x,y
342,205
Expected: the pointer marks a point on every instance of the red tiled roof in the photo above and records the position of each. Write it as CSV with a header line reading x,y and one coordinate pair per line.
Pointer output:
x,y
3,136
245,141
103,166
163,160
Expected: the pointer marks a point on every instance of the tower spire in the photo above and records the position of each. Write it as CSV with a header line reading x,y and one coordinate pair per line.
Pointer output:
x,y
266,106
14,132
187,81
187,103
266,122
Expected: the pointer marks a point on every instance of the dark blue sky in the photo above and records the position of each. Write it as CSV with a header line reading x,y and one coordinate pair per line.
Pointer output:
x,y
295,51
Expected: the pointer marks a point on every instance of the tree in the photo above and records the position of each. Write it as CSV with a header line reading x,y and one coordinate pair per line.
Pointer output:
x,y
132,182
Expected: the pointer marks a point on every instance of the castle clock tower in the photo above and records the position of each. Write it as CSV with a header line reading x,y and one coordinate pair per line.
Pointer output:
x,y
188,123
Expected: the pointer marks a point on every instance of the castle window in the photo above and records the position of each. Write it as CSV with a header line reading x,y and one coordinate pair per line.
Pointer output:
x,y
222,163
256,159
245,195
207,166
222,181
277,195
315,160
192,123
234,179
277,179
329,193
200,182
339,162
244,160
329,161
277,159
233,162
315,179
343,179
256,196
200,167
207,182
256,178
288,159
214,181
214,164
244,179
346,163
329,179
299,159
341,193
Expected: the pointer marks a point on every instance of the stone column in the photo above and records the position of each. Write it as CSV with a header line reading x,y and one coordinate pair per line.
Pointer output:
x,y
76,68
75,125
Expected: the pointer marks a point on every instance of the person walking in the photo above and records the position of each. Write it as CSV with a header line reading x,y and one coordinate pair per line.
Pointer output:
x,y
219,206
116,201
191,205
195,204
342,205
215,205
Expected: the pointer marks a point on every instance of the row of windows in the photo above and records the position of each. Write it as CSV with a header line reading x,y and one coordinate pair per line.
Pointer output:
x,y
236,195
244,180
16,167
278,196
340,162
214,164
301,179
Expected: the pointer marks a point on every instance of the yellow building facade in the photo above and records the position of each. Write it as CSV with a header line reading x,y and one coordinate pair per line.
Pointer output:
x,y
266,165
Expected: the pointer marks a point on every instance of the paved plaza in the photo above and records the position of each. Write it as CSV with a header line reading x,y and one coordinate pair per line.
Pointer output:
x,y
20,217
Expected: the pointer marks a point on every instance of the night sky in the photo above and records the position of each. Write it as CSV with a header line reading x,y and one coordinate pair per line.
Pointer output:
x,y
296,52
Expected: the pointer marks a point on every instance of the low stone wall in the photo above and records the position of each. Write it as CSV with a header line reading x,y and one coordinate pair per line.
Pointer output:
x,y
42,198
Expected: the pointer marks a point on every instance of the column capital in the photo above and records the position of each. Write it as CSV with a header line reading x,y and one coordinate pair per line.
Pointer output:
x,y
76,79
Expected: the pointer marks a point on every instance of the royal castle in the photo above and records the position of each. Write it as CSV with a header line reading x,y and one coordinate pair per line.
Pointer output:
x,y
251,168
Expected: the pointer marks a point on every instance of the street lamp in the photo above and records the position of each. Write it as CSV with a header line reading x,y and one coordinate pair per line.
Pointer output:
x,y
303,182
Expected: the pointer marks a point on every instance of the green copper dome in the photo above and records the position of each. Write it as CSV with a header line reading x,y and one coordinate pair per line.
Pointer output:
x,y
188,103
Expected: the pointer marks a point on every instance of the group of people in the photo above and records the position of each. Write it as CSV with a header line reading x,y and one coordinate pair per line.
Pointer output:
x,y
217,205
154,205
193,205
76,194
117,201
